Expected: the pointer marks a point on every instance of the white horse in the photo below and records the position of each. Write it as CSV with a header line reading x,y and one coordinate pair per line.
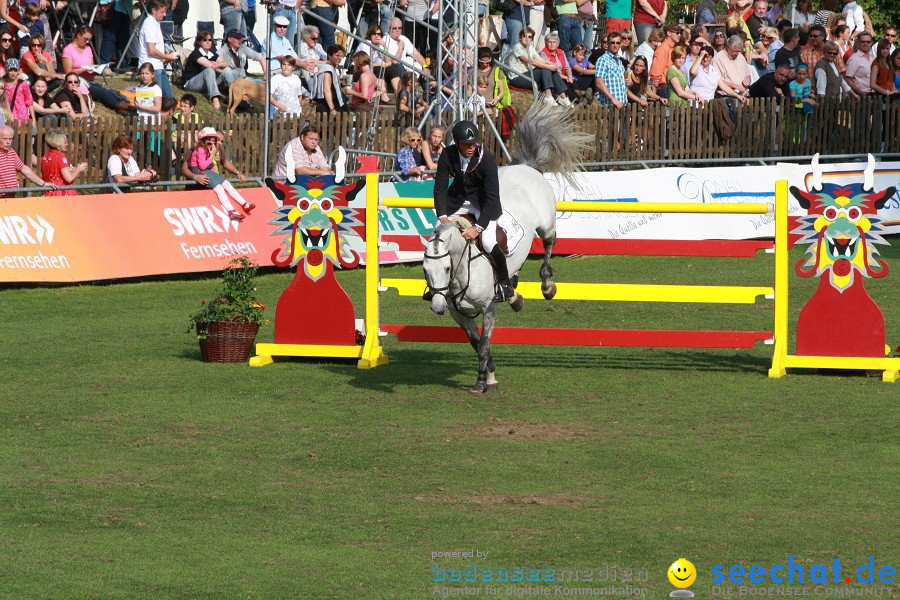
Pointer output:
x,y
461,277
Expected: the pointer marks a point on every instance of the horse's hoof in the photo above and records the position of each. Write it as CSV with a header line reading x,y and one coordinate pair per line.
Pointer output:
x,y
517,303
549,291
493,387
480,389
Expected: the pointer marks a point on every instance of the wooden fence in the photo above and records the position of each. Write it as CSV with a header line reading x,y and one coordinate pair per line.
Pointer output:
x,y
764,128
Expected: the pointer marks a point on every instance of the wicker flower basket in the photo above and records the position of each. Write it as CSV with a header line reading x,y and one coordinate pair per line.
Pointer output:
x,y
227,341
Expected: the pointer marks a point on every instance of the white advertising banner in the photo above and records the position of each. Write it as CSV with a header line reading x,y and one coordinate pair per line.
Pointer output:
x,y
713,185
403,230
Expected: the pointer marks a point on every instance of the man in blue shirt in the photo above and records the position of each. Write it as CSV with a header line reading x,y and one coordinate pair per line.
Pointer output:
x,y
610,75
280,44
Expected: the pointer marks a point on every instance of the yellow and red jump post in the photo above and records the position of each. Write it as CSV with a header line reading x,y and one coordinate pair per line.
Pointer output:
x,y
372,353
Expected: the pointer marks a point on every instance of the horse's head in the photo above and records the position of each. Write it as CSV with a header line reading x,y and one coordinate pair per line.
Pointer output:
x,y
439,266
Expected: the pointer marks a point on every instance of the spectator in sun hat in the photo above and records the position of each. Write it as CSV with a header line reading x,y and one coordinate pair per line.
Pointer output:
x,y
237,55
279,43
203,162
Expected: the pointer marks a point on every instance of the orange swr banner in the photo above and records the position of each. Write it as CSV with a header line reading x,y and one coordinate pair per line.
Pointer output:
x,y
111,236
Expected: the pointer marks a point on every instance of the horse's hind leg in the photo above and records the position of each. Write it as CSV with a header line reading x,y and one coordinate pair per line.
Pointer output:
x,y
548,288
484,351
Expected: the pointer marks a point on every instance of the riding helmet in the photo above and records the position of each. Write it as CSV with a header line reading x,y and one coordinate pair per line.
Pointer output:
x,y
465,132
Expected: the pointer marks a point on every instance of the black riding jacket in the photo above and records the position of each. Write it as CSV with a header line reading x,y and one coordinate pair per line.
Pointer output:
x,y
479,185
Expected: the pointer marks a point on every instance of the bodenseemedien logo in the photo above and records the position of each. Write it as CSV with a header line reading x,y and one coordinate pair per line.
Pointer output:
x,y
682,574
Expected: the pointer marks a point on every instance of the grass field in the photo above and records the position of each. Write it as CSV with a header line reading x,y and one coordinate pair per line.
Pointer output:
x,y
132,470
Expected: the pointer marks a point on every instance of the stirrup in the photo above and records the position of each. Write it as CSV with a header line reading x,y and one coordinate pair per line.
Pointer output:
x,y
504,292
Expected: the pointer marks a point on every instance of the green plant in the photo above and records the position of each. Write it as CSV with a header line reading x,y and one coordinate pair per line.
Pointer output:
x,y
236,298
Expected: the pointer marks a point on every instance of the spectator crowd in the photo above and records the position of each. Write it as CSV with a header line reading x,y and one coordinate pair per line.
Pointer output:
x,y
561,49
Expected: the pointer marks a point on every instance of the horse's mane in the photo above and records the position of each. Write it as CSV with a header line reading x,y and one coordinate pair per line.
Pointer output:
x,y
458,223
442,227
547,140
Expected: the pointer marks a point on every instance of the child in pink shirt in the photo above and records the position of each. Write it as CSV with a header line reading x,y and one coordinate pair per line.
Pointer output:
x,y
18,94
203,160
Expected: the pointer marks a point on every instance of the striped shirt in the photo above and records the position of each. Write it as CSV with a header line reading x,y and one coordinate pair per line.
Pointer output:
x,y
10,165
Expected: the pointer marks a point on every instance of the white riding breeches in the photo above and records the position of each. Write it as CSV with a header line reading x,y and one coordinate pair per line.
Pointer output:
x,y
489,235
515,233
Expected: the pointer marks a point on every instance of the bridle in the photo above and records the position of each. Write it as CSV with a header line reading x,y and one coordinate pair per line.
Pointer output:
x,y
454,299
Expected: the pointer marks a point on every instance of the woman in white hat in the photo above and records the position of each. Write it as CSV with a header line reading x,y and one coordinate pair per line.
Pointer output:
x,y
204,159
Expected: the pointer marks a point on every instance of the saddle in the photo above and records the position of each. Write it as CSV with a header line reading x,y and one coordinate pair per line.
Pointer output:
x,y
464,221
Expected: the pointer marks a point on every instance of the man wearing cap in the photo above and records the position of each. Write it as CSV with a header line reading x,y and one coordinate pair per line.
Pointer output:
x,y
475,191
280,44
237,55
152,47
662,59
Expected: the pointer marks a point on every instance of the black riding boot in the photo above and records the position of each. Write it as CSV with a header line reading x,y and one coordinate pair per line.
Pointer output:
x,y
504,289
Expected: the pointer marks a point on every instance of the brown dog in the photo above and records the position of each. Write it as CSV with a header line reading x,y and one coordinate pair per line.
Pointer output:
x,y
242,89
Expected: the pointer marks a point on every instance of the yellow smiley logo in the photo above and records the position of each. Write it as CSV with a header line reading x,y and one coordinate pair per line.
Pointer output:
x,y
682,573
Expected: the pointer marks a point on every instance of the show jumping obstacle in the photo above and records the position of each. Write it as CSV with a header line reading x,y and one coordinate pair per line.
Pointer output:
x,y
372,354
615,292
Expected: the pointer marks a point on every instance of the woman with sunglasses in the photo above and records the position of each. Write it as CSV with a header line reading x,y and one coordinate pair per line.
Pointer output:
x,y
378,61
829,83
409,156
6,50
70,98
310,54
77,57
626,50
763,57
718,41
37,62
203,67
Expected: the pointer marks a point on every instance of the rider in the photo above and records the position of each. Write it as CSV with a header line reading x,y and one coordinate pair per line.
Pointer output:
x,y
475,191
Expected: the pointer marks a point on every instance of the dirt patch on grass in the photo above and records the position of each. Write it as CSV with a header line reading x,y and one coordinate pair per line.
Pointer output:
x,y
489,500
524,431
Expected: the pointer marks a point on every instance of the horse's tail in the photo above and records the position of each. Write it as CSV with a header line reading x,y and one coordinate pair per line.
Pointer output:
x,y
547,140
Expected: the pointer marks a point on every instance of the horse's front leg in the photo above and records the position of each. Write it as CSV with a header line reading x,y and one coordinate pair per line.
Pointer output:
x,y
548,288
486,367
470,326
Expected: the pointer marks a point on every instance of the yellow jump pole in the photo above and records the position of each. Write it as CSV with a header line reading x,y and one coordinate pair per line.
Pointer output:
x,y
781,280
373,353
760,208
